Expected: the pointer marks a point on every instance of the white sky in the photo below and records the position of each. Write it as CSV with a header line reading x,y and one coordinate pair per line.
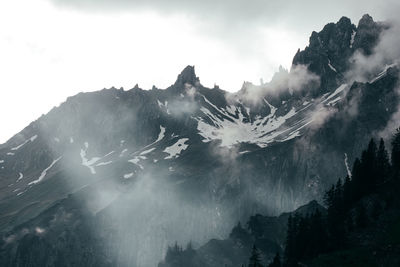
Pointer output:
x,y
48,52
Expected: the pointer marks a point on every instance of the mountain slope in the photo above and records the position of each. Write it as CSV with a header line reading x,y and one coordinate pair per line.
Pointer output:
x,y
144,168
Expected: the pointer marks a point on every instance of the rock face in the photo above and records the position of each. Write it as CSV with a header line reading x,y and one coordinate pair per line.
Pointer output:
x,y
111,178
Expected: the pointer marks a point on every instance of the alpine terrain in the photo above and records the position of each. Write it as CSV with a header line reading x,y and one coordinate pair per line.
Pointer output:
x,y
118,177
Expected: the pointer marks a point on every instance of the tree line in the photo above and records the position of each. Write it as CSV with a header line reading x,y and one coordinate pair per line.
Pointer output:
x,y
374,173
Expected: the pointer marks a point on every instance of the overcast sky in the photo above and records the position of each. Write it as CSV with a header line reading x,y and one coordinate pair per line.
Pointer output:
x,y
52,49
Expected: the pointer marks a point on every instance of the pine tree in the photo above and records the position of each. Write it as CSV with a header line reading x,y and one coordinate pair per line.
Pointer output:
x,y
361,217
238,232
255,258
276,262
347,193
382,164
376,210
396,152
329,197
173,253
290,246
336,215
338,198
318,235
369,162
302,240
356,175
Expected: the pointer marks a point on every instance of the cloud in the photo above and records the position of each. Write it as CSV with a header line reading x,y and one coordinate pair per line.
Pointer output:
x,y
364,67
391,126
320,115
238,11
258,30
185,103
299,78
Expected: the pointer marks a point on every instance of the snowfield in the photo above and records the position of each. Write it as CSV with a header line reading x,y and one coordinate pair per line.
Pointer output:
x,y
175,150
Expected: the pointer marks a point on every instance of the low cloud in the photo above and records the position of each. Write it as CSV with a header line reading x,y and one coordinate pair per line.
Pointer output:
x,y
299,78
320,115
365,68
185,103
387,52
394,122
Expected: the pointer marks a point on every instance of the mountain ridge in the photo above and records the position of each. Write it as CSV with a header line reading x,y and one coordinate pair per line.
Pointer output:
x,y
213,156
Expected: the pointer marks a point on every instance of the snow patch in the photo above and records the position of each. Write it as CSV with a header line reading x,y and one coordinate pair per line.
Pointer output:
x,y
44,172
163,106
353,34
338,90
18,147
104,163
346,163
39,230
160,135
108,154
382,73
291,136
26,141
331,67
136,161
175,150
261,131
86,162
334,101
147,151
123,152
20,176
128,175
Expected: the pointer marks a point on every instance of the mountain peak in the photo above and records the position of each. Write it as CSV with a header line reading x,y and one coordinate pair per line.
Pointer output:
x,y
344,23
366,21
187,75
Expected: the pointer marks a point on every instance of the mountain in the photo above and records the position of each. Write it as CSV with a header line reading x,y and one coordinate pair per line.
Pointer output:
x,y
113,177
268,233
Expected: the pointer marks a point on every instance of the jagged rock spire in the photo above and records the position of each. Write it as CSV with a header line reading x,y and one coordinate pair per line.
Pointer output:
x,y
366,21
368,32
188,75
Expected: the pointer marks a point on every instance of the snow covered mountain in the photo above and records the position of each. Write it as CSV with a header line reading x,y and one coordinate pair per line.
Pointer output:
x,y
111,178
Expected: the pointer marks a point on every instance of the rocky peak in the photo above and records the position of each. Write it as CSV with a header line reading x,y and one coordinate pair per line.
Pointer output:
x,y
366,21
344,22
314,40
327,53
368,32
188,75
